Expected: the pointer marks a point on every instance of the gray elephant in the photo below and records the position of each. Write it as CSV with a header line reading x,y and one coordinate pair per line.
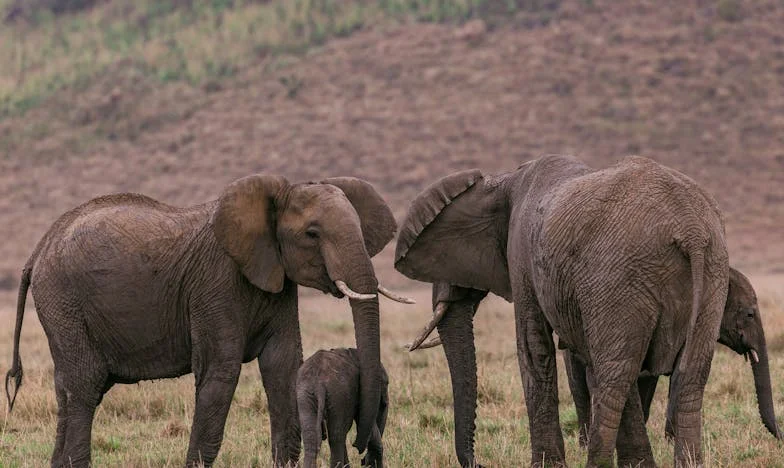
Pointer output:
x,y
129,289
741,330
328,402
628,265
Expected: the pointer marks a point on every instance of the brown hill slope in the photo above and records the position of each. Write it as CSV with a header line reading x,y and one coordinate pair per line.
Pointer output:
x,y
401,107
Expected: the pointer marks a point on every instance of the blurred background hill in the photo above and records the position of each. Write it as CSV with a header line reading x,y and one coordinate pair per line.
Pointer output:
x,y
177,98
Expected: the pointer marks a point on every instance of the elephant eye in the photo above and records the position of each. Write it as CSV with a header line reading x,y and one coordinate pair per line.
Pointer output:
x,y
312,233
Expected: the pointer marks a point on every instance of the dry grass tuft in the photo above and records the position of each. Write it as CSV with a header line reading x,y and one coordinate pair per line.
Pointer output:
x,y
174,428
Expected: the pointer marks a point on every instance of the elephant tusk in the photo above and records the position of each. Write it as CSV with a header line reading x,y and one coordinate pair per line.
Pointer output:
x,y
438,314
395,297
754,356
343,287
432,343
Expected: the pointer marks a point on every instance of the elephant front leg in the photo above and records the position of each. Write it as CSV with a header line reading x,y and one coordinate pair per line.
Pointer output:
x,y
278,364
536,355
214,391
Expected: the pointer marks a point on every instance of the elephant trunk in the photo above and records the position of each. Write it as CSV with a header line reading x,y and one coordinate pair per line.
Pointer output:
x,y
761,370
456,330
366,330
356,270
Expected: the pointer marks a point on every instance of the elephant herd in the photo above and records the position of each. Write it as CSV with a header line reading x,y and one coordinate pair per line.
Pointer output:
x,y
129,289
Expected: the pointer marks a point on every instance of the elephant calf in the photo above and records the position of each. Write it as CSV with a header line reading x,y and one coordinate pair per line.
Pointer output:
x,y
328,401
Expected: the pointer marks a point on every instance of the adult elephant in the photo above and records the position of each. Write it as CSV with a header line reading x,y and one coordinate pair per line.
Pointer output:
x,y
628,265
129,289
741,330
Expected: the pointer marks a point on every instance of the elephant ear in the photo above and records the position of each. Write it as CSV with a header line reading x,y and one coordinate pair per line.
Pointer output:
x,y
740,290
244,225
376,219
455,232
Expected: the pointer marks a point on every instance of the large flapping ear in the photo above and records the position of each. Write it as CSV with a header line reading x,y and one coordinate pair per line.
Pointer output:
x,y
376,219
454,232
244,225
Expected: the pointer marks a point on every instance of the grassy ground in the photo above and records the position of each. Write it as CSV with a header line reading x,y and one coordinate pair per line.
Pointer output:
x,y
148,424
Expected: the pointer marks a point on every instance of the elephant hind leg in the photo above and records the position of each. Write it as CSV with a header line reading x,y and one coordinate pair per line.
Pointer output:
x,y
578,385
62,419
617,354
336,435
634,448
312,428
79,391
536,358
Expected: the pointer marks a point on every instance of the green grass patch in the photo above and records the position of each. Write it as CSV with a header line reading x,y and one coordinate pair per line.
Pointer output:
x,y
174,40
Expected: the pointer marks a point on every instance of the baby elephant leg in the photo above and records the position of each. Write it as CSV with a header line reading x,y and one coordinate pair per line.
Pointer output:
x,y
336,435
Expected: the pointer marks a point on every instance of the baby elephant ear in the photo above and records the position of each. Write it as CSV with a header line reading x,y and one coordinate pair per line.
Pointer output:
x,y
244,225
378,223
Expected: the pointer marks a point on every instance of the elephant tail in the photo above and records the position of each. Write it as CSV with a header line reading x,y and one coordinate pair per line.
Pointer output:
x,y
16,367
697,260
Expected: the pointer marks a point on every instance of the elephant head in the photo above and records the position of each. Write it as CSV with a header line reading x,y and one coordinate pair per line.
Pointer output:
x,y
320,235
454,236
741,330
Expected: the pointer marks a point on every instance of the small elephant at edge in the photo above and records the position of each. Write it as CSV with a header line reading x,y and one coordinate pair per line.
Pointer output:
x,y
128,288
638,245
328,402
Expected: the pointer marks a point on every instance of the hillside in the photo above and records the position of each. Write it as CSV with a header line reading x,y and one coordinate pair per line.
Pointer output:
x,y
401,104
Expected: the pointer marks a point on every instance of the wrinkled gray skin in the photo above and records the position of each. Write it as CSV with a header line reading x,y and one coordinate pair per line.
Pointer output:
x,y
328,403
741,330
130,289
628,265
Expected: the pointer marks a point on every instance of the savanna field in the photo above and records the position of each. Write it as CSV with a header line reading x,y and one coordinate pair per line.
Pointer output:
x,y
175,99
148,424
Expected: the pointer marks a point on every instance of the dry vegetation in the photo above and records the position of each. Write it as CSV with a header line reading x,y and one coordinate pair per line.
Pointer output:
x,y
148,424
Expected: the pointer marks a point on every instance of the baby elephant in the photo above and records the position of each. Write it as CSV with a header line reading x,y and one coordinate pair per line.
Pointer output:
x,y
328,401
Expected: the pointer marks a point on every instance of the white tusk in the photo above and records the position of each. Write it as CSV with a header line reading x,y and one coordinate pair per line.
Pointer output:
x,y
438,314
432,343
754,356
395,297
351,294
